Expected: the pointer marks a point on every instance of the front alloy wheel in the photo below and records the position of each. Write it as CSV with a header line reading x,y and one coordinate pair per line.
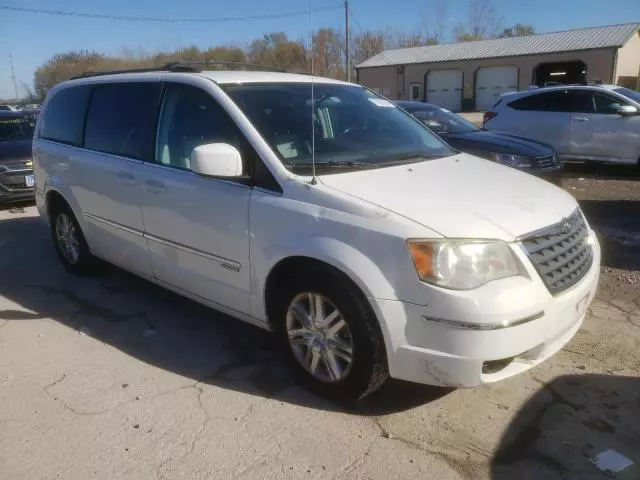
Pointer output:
x,y
319,337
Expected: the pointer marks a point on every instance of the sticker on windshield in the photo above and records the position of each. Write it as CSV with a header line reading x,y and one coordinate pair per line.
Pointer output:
x,y
381,102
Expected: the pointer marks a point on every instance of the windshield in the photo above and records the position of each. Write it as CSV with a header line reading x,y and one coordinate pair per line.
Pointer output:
x,y
353,127
12,129
441,120
632,94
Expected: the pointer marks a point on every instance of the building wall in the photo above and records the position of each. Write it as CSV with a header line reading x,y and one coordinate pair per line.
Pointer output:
x,y
600,64
628,64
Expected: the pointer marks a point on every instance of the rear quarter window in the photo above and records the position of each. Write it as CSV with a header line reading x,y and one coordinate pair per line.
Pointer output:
x,y
63,117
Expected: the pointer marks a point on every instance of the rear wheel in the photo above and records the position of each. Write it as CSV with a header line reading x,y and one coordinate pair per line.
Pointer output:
x,y
330,335
69,241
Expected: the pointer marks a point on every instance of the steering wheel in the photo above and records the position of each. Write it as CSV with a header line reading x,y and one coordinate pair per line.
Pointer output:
x,y
350,130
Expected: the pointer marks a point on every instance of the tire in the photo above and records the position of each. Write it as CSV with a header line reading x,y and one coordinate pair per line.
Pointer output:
x,y
65,232
367,370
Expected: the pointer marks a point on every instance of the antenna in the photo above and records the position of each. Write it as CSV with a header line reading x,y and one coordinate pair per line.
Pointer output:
x,y
13,77
314,180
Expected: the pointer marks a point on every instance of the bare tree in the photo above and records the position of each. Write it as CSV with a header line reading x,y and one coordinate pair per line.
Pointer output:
x,y
482,22
518,30
436,23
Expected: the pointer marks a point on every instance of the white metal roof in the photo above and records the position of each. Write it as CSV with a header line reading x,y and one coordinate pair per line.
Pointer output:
x,y
569,40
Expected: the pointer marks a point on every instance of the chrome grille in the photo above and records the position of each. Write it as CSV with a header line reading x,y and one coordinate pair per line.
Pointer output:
x,y
561,253
13,181
548,161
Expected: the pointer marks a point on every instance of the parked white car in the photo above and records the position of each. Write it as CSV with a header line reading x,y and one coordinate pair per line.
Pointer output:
x,y
398,256
583,122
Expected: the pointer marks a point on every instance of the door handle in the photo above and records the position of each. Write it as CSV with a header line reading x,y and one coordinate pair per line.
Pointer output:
x,y
155,186
126,178
580,119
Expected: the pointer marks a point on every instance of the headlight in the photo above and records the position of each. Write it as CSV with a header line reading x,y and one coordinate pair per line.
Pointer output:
x,y
462,264
516,161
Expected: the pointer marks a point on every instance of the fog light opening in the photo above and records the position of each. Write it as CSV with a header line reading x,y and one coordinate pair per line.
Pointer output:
x,y
494,366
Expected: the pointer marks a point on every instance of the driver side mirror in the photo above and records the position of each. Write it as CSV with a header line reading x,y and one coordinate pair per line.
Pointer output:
x,y
627,110
216,160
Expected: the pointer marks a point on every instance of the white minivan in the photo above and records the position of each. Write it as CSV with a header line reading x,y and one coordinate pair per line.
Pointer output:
x,y
318,210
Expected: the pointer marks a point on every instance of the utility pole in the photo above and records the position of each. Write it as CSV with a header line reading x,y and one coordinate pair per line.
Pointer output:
x,y
13,77
346,39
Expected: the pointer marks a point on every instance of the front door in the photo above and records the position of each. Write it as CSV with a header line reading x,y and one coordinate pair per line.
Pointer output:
x,y
197,228
598,132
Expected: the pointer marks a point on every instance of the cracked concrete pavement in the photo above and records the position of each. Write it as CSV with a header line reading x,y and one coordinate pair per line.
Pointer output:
x,y
112,377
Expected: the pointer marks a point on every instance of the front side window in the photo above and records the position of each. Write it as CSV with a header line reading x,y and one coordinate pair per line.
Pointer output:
x,y
349,126
189,118
63,117
121,119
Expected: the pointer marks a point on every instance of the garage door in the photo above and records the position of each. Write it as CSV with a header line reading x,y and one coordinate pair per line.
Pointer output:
x,y
491,82
444,88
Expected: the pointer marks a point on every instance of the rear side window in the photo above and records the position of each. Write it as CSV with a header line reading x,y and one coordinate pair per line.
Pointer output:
x,y
64,115
556,101
121,119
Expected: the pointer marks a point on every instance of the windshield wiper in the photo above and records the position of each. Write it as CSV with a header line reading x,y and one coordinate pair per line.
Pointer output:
x,y
331,164
410,158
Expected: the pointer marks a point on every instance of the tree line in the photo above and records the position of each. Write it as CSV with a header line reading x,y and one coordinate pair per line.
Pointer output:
x,y
276,49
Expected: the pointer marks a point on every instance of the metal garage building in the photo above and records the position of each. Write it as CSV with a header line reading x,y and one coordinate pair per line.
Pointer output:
x,y
472,75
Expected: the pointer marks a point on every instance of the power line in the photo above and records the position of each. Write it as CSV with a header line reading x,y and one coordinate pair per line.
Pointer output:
x,y
362,31
67,13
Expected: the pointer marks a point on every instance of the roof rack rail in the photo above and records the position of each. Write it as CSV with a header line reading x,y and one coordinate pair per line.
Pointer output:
x,y
179,66
192,65
115,72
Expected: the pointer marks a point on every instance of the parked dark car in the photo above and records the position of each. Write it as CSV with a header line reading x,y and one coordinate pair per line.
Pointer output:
x,y
518,152
16,166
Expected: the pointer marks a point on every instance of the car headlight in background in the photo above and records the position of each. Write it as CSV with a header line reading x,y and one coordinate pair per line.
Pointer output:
x,y
516,161
462,264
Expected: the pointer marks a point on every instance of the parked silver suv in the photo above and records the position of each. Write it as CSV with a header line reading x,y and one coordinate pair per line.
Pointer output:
x,y
581,122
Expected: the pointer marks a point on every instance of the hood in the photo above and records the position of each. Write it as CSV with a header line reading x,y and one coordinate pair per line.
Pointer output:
x,y
460,196
15,152
486,141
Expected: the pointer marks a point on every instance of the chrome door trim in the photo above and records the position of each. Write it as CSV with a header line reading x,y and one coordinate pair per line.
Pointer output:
x,y
224,262
95,218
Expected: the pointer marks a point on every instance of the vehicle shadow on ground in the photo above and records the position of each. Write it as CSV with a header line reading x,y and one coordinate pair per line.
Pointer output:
x,y
602,171
561,430
160,328
617,223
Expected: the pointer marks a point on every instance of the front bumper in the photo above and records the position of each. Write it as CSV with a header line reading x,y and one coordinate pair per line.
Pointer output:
x,y
13,187
423,348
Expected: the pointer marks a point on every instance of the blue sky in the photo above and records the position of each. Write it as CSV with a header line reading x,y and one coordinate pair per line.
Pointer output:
x,y
33,39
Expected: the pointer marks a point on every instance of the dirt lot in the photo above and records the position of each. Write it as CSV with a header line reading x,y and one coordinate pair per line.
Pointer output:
x,y
111,377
